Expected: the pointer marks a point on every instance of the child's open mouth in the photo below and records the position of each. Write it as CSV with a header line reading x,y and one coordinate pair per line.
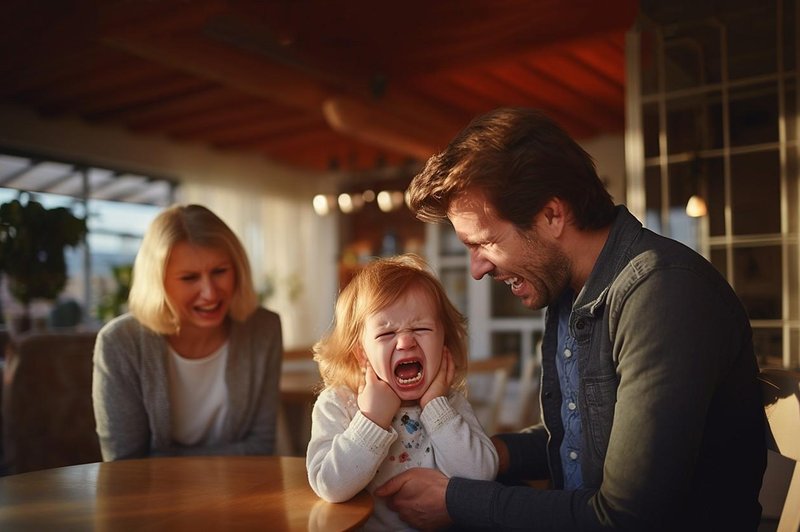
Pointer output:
x,y
408,372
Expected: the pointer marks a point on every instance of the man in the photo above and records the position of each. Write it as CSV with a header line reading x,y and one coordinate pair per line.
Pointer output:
x,y
651,407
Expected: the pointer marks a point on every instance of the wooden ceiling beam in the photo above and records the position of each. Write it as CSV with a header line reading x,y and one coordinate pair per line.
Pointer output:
x,y
396,133
218,63
394,120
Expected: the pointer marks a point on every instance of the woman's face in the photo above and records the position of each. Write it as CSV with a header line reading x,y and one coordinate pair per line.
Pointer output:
x,y
199,282
403,343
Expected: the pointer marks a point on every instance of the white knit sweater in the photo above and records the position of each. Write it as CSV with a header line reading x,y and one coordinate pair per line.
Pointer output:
x,y
348,452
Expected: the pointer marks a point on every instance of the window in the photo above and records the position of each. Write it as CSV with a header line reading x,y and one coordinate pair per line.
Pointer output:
x,y
714,106
118,205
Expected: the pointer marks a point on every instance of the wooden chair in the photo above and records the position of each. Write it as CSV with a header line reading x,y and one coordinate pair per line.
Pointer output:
x,y
48,418
486,387
299,380
781,390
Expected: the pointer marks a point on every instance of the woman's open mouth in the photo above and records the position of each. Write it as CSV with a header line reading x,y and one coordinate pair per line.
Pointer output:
x,y
408,372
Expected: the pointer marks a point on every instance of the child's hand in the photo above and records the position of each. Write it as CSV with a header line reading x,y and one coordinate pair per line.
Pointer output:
x,y
376,399
442,381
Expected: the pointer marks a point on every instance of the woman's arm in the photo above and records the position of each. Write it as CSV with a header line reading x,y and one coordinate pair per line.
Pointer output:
x,y
122,421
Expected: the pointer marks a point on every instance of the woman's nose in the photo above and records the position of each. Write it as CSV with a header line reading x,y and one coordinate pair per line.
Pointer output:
x,y
207,287
478,265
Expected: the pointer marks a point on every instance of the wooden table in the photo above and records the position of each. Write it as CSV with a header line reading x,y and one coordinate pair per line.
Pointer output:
x,y
186,493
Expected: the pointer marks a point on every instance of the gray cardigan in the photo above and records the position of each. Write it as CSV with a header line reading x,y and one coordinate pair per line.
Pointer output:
x,y
131,397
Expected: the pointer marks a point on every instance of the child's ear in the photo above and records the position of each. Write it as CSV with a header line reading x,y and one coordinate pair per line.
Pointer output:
x,y
358,352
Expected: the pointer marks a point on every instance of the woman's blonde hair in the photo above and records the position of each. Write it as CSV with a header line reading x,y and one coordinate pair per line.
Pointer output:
x,y
374,288
196,225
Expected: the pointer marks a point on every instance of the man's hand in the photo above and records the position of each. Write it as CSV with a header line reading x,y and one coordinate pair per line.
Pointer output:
x,y
442,381
376,399
418,497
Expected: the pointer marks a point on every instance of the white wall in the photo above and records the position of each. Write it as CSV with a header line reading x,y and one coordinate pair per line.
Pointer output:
x,y
608,152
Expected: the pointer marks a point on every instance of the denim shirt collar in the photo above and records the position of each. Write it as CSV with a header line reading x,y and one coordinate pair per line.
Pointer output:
x,y
624,231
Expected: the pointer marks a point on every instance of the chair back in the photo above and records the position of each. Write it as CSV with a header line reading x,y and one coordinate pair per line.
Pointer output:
x,y
48,418
486,388
781,392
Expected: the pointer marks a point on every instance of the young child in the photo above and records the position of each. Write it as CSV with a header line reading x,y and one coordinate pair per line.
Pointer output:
x,y
394,367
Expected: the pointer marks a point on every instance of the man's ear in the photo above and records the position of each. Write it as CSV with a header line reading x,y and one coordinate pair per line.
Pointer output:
x,y
553,217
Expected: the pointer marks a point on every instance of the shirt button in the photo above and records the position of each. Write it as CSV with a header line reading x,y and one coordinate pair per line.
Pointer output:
x,y
567,353
580,324
571,405
573,455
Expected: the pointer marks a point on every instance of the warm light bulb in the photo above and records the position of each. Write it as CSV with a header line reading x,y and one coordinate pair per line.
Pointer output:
x,y
346,203
385,201
696,207
321,204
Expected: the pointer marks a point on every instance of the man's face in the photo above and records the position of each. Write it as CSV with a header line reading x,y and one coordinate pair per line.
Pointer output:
x,y
403,343
529,262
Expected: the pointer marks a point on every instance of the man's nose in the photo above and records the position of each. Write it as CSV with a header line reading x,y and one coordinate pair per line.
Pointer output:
x,y
479,265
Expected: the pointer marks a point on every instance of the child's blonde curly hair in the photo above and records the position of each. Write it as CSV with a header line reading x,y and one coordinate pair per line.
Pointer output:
x,y
374,288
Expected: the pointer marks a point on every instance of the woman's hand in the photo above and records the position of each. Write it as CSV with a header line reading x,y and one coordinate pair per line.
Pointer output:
x,y
376,399
442,381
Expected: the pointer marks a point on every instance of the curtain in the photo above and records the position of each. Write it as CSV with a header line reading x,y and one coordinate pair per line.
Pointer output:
x,y
292,252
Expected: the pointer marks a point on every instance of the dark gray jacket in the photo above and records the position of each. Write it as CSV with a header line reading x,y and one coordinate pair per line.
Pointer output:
x,y
671,413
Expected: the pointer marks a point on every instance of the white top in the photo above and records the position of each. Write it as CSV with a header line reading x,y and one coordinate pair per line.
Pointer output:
x,y
348,452
198,397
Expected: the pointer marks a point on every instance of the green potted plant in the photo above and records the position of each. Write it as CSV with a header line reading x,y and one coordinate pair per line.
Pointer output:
x,y
32,243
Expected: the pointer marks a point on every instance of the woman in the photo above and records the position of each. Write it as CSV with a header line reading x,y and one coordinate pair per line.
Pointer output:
x,y
193,369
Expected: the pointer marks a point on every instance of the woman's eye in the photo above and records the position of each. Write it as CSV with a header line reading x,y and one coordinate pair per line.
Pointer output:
x,y
188,278
219,271
423,329
386,334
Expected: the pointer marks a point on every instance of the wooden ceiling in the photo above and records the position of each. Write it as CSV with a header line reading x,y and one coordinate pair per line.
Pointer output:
x,y
319,85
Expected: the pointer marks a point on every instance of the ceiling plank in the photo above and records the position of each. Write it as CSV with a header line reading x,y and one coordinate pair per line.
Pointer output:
x,y
356,119
283,85
215,62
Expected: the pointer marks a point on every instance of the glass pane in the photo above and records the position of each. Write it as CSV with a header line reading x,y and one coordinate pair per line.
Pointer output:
x,y
449,244
794,348
649,61
793,285
789,34
751,39
754,115
755,193
768,346
793,189
507,305
454,281
757,280
692,56
650,127
792,126
719,258
713,172
685,180
508,343
694,123
652,190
